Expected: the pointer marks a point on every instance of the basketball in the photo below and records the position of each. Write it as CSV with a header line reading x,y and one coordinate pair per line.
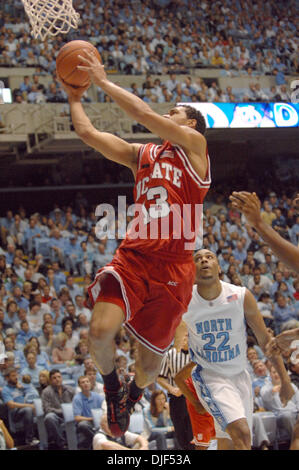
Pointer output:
x,y
67,61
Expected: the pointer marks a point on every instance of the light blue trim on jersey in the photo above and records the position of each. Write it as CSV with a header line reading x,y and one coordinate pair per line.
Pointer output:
x,y
214,409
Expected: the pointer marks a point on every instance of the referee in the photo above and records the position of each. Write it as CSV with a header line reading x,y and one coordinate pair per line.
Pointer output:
x,y
172,363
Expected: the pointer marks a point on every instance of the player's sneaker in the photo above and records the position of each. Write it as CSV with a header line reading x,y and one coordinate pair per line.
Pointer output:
x,y
117,413
131,403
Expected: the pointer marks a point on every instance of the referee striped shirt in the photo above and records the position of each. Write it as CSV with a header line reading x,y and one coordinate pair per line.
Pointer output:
x,y
172,363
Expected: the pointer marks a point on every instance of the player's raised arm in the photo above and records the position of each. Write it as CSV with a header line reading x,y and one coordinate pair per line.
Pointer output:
x,y
111,146
255,321
137,109
249,204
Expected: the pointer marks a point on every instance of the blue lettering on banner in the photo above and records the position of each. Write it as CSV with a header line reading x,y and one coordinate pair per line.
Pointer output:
x,y
250,115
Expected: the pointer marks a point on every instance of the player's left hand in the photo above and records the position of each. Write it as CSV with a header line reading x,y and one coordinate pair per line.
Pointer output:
x,y
280,343
273,348
249,204
93,67
73,93
286,392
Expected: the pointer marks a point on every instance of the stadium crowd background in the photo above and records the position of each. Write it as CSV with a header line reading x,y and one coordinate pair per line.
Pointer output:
x,y
145,38
47,260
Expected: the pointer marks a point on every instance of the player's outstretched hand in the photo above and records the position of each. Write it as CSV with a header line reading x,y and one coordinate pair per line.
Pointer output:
x,y
272,348
71,91
280,343
249,204
93,67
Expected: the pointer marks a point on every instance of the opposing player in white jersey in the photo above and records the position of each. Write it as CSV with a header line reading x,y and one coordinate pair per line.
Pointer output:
x,y
215,320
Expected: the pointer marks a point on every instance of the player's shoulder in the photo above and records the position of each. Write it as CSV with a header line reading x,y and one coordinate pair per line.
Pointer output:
x,y
194,293
148,149
231,292
194,133
227,287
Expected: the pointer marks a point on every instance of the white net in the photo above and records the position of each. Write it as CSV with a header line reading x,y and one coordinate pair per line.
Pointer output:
x,y
51,17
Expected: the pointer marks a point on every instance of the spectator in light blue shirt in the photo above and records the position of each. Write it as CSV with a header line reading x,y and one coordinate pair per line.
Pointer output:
x,y
88,257
13,395
73,288
74,257
223,260
59,278
57,245
7,221
279,77
24,335
260,378
240,253
25,86
31,232
282,313
13,282
30,390
11,314
278,278
83,403
21,301
10,254
31,368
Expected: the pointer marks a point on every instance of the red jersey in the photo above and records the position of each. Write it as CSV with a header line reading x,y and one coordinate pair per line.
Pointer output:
x,y
168,197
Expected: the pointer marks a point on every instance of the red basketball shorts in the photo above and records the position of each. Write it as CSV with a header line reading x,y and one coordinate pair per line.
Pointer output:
x,y
202,424
154,294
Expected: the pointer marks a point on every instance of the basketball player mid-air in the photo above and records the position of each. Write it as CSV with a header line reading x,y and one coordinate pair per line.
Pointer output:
x,y
215,321
148,284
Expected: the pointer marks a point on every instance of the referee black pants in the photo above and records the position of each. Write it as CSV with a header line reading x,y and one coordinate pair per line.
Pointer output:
x,y
181,422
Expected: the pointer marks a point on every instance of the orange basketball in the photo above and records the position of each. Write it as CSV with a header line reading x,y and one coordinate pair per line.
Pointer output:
x,y
67,61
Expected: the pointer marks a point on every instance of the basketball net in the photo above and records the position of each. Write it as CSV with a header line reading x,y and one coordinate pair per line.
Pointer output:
x,y
51,17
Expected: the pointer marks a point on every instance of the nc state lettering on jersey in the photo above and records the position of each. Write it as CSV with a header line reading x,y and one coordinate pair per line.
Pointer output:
x,y
160,171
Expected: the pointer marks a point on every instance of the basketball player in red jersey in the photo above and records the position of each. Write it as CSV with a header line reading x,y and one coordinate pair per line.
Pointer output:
x,y
148,284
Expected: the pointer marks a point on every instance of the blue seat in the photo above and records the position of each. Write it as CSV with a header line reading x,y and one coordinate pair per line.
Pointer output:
x,y
14,427
70,426
42,247
41,428
96,416
137,424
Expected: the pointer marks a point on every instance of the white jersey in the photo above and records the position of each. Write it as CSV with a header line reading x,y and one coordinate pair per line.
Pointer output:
x,y
217,331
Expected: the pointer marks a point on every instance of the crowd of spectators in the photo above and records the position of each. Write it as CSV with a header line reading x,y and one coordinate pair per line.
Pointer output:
x,y
48,261
158,38
156,90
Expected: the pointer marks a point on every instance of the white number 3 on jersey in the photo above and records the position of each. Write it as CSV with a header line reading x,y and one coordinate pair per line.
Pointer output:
x,y
161,207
